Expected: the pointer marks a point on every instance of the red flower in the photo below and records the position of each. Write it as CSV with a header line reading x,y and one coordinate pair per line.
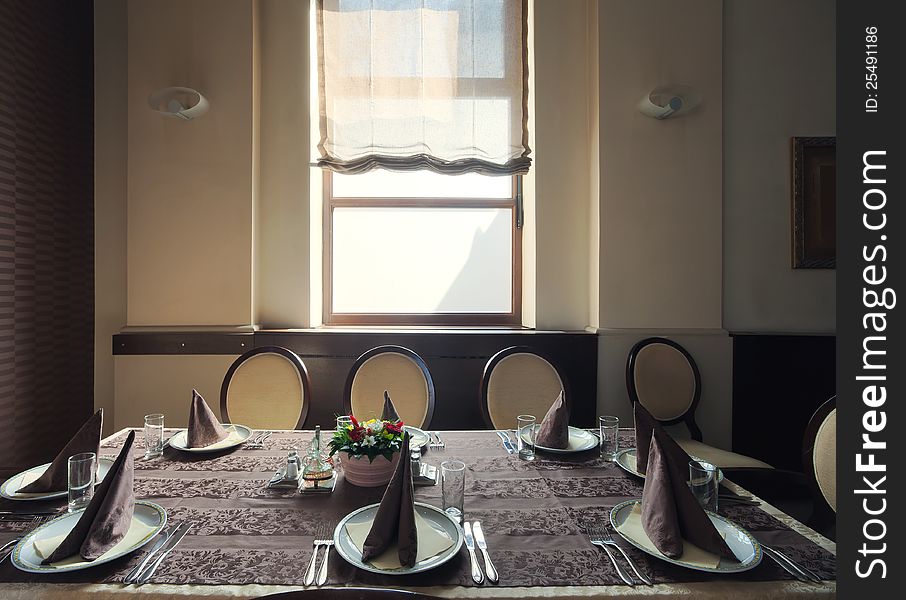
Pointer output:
x,y
394,427
357,434
354,422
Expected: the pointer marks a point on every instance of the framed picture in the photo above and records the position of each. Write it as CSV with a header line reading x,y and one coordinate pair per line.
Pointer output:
x,y
814,202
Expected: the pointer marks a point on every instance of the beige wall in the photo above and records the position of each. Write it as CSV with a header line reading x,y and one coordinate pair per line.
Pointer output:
x,y
109,195
660,215
779,82
190,183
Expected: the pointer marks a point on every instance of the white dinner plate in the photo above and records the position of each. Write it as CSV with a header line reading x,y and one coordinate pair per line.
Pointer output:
x,y
180,440
744,546
580,440
417,437
147,521
10,487
433,515
626,460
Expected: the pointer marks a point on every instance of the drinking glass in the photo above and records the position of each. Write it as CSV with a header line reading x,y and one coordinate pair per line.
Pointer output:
x,y
343,421
81,479
525,436
154,435
704,483
609,430
453,487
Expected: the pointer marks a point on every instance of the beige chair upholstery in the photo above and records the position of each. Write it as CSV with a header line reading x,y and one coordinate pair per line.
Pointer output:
x,y
664,381
266,390
402,377
824,459
722,458
520,383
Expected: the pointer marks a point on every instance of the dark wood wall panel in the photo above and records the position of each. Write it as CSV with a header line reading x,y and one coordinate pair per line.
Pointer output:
x,y
778,382
46,226
456,360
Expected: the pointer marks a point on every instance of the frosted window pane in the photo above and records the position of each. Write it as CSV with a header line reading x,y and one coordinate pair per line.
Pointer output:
x,y
420,184
399,260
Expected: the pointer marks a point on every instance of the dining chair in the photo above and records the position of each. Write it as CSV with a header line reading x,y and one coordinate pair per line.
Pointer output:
x,y
819,456
266,388
400,372
519,380
663,376
349,593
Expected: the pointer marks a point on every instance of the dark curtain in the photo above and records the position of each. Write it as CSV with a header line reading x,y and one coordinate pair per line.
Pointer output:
x,y
46,226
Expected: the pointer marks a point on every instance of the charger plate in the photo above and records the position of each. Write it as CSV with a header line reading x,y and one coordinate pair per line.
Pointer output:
x,y
10,487
580,440
626,460
433,515
147,521
180,440
741,542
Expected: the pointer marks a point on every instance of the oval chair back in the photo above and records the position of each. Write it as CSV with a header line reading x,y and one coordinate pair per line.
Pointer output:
x,y
517,381
401,373
266,388
663,376
819,453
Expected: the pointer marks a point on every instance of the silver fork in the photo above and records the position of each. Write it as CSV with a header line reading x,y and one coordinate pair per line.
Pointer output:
x,y
439,443
596,537
7,549
327,542
607,538
258,442
310,571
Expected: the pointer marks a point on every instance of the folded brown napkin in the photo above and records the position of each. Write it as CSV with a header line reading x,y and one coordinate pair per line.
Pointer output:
x,y
645,424
554,431
395,518
107,517
56,477
389,413
204,428
670,511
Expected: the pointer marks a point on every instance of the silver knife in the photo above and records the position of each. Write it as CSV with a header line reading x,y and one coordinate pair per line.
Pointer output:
x,y
157,546
175,538
488,565
477,576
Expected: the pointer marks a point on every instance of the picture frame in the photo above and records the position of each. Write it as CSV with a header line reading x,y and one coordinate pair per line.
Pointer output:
x,y
814,197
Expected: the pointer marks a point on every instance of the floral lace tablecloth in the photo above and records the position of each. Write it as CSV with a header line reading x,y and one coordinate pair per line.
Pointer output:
x,y
533,513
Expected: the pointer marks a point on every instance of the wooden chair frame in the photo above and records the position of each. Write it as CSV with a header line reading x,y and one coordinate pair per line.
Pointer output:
x,y
687,417
823,510
285,353
390,349
495,360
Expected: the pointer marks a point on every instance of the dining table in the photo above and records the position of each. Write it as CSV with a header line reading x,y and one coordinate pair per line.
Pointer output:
x,y
248,540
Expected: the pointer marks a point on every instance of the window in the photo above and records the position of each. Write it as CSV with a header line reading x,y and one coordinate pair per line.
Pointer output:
x,y
421,248
423,138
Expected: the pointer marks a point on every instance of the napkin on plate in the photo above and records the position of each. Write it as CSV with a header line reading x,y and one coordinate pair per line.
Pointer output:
x,y
670,511
389,413
107,517
554,431
395,517
645,425
56,477
204,428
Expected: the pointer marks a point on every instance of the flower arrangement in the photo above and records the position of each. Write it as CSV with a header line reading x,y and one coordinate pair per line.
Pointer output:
x,y
372,439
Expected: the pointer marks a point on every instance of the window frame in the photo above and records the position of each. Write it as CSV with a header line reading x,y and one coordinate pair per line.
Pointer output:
x,y
512,319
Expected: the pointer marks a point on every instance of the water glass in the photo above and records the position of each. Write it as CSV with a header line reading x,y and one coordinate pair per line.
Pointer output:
x,y
525,436
453,488
154,435
81,479
704,483
609,431
343,421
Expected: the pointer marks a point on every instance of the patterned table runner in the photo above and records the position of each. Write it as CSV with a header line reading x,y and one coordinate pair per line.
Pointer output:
x,y
533,514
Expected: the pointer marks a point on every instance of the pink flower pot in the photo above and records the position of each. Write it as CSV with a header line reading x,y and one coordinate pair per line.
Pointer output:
x,y
358,471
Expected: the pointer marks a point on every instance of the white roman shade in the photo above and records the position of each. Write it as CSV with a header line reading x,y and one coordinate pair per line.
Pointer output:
x,y
423,84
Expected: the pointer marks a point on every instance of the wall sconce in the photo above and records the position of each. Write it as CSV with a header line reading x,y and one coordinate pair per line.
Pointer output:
x,y
180,102
668,101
